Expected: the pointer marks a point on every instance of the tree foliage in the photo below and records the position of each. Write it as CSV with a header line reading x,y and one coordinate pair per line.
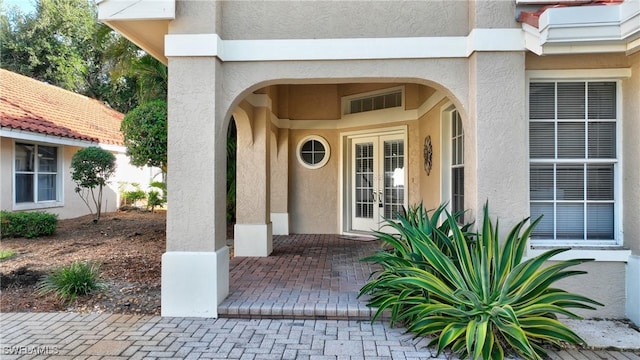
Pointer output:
x,y
62,43
145,134
91,168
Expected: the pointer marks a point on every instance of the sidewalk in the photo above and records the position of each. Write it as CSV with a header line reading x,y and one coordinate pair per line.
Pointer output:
x,y
105,336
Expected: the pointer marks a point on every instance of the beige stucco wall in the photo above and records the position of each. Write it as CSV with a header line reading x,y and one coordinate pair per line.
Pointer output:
x,y
73,206
631,156
343,19
604,282
313,193
280,170
430,185
588,61
313,102
496,130
492,14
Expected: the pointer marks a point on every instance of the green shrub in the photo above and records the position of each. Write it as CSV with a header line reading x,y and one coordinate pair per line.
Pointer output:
x,y
27,224
157,196
471,293
69,282
7,254
131,197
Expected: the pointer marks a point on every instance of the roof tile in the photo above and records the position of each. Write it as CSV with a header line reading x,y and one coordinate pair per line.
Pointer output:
x,y
31,105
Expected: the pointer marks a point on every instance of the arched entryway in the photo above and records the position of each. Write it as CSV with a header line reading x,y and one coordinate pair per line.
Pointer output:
x,y
286,106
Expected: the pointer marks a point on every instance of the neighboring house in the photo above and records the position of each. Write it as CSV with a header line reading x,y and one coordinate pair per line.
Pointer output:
x,y
41,128
347,111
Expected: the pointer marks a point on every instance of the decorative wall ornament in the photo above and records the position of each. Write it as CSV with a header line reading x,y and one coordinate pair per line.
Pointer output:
x,y
428,154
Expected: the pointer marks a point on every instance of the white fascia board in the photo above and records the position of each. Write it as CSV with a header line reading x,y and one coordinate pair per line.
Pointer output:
x,y
109,10
344,49
630,19
580,16
57,140
586,29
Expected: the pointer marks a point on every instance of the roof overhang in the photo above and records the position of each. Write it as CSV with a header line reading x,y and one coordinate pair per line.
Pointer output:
x,y
143,22
23,135
586,29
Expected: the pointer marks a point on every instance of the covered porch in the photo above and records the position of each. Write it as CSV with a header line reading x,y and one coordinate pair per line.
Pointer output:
x,y
307,276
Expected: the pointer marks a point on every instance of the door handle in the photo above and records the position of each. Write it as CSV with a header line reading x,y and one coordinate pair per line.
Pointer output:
x,y
375,198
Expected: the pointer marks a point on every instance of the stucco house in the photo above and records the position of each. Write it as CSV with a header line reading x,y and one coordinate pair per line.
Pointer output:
x,y
41,127
348,110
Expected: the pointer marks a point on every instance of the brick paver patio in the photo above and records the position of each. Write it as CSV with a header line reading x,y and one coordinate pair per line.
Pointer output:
x,y
299,303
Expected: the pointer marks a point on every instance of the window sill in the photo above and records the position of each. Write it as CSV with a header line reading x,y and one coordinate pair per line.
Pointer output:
x,y
599,253
37,206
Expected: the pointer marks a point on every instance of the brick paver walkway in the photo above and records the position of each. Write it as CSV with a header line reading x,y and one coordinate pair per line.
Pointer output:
x,y
104,336
299,303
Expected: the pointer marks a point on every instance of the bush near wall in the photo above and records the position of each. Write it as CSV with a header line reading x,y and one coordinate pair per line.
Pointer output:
x,y
27,224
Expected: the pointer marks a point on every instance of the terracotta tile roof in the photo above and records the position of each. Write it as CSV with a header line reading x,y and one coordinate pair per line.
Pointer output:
x,y
30,105
533,18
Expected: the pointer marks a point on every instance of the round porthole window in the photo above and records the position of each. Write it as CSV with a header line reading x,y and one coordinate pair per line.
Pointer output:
x,y
313,152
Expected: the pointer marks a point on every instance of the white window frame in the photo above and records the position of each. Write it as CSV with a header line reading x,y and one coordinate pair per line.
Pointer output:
x,y
593,248
327,151
346,100
452,161
35,205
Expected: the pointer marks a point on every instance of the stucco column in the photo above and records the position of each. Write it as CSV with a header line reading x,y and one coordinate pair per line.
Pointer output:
x,y
280,181
495,134
195,268
630,188
253,230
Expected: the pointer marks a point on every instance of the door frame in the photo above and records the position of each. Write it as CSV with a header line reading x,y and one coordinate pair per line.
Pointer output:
x,y
344,174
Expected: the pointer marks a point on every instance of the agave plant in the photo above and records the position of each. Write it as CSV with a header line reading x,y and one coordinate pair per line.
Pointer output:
x,y
471,293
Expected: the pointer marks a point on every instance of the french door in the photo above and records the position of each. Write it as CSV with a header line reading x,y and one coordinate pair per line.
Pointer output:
x,y
377,172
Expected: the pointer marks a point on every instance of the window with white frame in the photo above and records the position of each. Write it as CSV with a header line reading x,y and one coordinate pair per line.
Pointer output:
x,y
36,173
573,161
373,102
457,165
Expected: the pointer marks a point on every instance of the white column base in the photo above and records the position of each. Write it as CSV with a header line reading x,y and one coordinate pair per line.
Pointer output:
x,y
253,240
280,223
633,289
194,283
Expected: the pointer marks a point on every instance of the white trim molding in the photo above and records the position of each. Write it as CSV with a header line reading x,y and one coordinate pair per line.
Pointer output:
x,y
57,140
344,49
613,254
633,290
186,295
109,10
586,29
253,240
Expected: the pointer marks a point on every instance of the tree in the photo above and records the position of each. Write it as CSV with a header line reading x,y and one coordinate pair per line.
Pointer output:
x,y
62,43
55,44
91,168
145,134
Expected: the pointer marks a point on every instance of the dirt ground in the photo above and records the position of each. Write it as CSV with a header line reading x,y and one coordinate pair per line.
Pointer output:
x,y
128,245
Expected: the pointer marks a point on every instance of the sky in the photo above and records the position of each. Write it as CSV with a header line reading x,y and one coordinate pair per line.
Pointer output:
x,y
25,6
